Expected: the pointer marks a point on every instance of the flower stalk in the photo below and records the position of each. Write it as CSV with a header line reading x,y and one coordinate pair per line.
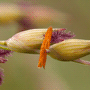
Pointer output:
x,y
3,45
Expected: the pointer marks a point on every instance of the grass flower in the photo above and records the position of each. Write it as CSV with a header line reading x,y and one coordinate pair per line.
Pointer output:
x,y
31,40
54,42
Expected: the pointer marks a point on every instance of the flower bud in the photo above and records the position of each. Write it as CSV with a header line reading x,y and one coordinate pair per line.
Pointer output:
x,y
27,41
70,49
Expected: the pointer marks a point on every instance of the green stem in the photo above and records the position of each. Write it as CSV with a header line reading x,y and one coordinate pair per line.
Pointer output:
x,y
5,44
5,48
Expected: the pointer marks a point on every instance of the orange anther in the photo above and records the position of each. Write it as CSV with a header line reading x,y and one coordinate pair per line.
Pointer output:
x,y
45,45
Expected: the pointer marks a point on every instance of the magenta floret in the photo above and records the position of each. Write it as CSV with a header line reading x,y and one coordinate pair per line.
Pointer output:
x,y
4,53
61,35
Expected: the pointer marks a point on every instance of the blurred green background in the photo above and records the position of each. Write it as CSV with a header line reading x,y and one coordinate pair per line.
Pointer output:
x,y
21,72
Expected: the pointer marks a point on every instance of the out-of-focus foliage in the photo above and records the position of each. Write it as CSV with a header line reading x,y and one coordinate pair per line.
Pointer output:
x,y
29,16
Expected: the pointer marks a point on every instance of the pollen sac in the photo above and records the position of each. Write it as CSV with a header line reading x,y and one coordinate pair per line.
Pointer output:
x,y
70,49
